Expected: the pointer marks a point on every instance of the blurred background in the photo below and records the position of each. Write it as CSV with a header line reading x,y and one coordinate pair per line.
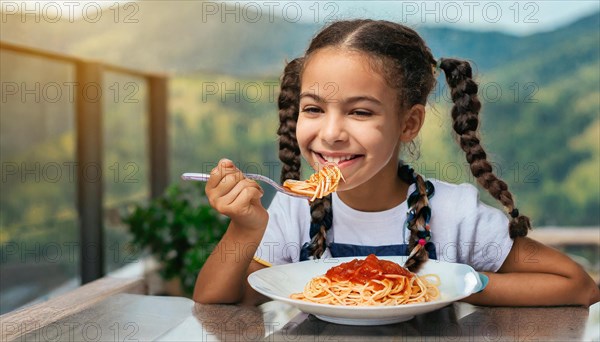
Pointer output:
x,y
106,103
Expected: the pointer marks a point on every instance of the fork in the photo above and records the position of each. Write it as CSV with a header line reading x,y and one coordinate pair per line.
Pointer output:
x,y
203,177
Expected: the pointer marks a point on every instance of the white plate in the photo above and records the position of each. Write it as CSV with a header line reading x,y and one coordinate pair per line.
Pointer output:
x,y
278,282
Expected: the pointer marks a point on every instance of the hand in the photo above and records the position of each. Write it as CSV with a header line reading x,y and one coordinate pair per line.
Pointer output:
x,y
235,196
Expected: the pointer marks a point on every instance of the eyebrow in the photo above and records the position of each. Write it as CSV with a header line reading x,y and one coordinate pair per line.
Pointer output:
x,y
346,100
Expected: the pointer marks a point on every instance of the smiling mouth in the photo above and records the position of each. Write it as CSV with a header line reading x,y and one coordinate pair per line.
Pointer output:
x,y
337,159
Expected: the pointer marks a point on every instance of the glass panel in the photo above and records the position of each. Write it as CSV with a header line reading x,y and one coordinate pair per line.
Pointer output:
x,y
126,163
213,117
38,216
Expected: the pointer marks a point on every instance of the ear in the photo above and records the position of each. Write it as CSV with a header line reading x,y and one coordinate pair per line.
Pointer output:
x,y
412,122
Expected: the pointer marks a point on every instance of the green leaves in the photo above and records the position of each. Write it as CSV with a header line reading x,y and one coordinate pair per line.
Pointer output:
x,y
180,229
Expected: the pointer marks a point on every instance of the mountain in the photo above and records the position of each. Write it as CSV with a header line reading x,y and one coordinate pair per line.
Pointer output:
x,y
171,37
489,50
232,38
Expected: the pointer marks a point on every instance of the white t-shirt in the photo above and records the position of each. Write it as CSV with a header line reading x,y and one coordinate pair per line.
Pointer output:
x,y
463,229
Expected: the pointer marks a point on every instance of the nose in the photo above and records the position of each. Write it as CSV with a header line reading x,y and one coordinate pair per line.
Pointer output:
x,y
333,129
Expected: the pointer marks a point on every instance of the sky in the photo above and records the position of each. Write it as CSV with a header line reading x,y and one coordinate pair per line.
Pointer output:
x,y
515,17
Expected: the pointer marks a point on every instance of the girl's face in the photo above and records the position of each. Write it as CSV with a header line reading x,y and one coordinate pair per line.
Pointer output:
x,y
350,116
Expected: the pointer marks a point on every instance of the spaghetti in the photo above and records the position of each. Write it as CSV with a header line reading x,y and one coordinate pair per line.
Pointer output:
x,y
319,184
369,282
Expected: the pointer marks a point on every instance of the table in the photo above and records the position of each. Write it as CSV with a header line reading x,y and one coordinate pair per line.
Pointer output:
x,y
131,317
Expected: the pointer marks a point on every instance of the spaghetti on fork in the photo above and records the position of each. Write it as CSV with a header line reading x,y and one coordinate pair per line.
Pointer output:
x,y
319,184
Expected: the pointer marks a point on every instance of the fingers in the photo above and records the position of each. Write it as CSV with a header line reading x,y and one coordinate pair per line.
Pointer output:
x,y
222,179
243,192
249,197
222,170
229,192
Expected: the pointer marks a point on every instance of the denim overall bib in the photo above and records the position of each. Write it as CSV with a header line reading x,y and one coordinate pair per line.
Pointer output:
x,y
339,250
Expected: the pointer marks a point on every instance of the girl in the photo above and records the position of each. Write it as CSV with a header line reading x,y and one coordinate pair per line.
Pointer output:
x,y
356,98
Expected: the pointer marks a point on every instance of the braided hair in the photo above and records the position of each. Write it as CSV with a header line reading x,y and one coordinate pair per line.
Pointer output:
x,y
402,56
465,117
289,152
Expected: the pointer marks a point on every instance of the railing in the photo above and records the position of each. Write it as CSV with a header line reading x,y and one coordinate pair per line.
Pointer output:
x,y
563,236
89,145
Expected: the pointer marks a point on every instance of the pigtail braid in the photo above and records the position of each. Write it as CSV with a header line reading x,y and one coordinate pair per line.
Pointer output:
x,y
321,221
418,223
465,116
417,218
288,101
289,154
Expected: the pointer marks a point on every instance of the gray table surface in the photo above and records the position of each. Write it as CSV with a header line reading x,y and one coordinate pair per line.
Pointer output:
x,y
128,317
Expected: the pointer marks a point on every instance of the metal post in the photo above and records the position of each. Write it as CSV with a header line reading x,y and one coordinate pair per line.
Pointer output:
x,y
90,189
158,137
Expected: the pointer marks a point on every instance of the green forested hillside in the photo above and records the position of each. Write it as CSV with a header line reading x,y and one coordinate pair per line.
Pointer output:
x,y
556,135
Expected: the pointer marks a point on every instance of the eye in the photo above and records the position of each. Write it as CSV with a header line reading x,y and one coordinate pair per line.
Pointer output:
x,y
360,112
312,110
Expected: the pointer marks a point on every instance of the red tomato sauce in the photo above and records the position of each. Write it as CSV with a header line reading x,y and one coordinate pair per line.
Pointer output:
x,y
362,271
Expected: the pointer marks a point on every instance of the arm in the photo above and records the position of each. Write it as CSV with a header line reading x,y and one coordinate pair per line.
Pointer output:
x,y
223,276
536,275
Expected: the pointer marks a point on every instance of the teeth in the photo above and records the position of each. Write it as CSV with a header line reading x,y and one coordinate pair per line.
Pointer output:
x,y
337,160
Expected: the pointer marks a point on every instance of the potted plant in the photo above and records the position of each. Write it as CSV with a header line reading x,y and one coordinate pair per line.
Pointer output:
x,y
180,229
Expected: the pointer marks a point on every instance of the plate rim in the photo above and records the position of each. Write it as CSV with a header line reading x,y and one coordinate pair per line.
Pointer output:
x,y
380,309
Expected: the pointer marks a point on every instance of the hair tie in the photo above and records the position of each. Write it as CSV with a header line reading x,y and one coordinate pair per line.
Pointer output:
x,y
406,173
514,213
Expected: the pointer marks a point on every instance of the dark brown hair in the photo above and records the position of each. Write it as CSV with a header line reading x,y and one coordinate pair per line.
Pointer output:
x,y
408,66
